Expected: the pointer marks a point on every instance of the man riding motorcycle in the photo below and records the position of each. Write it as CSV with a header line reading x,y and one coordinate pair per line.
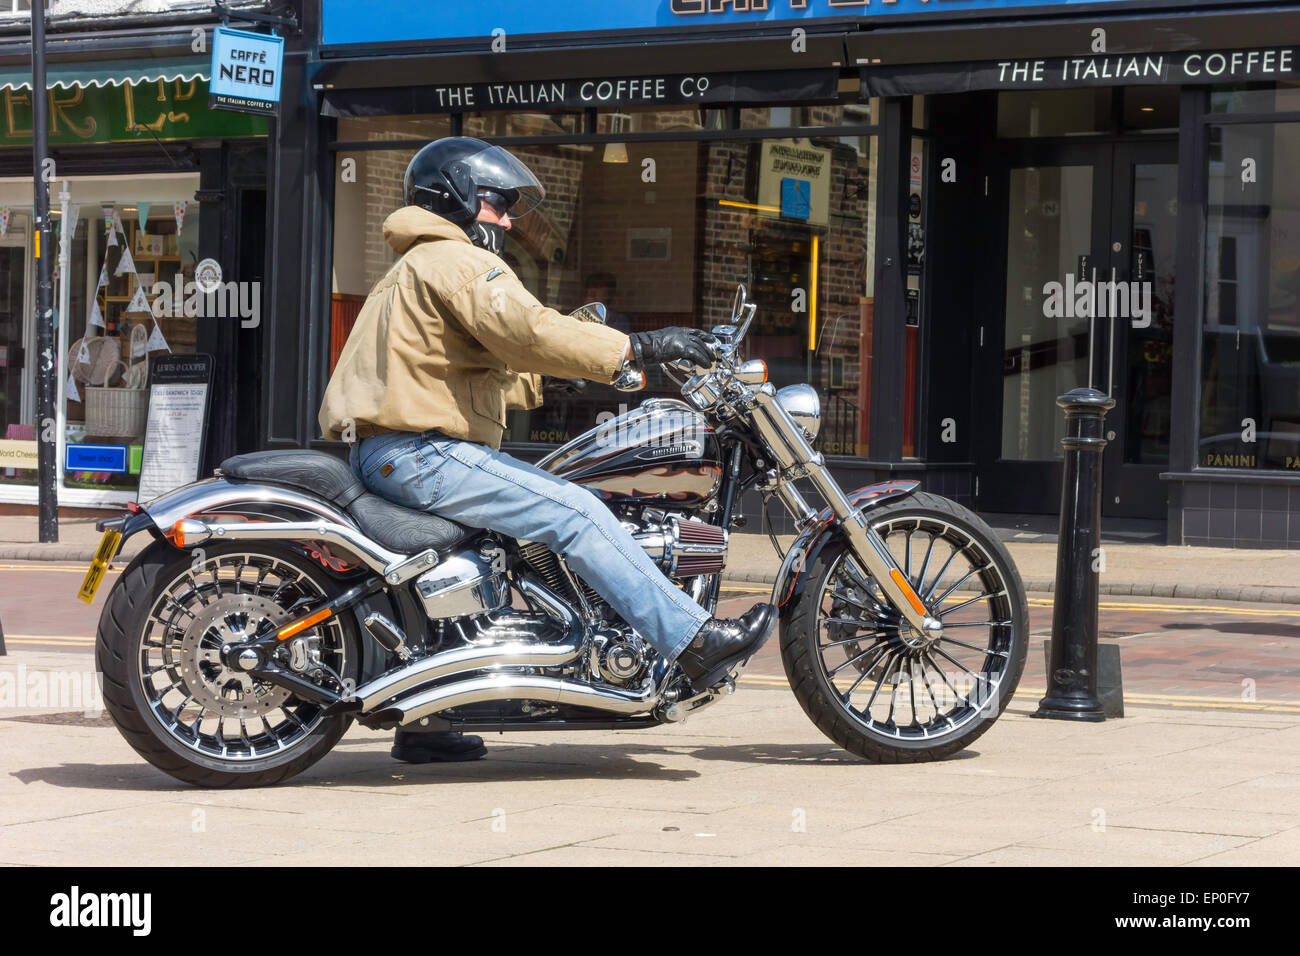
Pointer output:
x,y
450,339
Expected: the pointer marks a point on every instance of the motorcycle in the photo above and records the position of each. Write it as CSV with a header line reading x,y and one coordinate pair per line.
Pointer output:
x,y
280,601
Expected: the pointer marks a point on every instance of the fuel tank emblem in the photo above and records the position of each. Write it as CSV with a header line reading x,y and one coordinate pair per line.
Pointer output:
x,y
686,449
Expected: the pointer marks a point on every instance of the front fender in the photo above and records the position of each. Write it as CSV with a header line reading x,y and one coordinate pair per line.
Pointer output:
x,y
792,578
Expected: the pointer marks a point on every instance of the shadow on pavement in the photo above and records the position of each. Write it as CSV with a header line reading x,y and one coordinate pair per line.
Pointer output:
x,y
514,762
90,776
1253,628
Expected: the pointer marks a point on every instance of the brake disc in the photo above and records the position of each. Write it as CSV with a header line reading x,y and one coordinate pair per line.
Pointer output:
x,y
218,689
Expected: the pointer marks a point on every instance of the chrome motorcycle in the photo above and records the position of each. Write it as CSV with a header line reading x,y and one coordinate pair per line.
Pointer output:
x,y
280,601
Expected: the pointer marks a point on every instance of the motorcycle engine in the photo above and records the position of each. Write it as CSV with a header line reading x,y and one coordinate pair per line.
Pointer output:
x,y
682,546
619,656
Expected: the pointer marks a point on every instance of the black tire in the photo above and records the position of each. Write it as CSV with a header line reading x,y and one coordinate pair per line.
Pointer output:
x,y
802,651
118,656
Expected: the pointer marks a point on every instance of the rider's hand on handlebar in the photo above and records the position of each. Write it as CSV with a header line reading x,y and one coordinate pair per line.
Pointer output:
x,y
670,345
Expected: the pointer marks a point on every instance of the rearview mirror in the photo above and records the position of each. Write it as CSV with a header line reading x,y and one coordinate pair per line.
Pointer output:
x,y
738,303
591,312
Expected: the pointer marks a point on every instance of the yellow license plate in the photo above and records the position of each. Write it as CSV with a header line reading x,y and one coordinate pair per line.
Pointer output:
x,y
107,548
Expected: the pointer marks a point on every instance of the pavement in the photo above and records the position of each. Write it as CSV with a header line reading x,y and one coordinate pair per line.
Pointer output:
x,y
1145,570
748,781
1201,771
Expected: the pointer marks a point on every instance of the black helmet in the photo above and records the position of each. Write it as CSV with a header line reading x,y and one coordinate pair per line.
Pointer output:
x,y
447,176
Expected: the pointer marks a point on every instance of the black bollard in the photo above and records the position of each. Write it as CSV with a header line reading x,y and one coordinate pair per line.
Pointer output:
x,y
1072,671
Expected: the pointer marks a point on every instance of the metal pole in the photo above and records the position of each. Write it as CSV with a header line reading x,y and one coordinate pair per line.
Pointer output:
x,y
46,425
1072,671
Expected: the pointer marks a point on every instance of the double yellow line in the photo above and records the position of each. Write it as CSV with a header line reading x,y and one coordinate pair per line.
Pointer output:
x,y
42,566
1237,611
1153,700
60,639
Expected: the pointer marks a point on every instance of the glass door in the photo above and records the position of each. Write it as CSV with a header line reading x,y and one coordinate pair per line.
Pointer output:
x,y
1087,300
1036,346
1138,342
17,435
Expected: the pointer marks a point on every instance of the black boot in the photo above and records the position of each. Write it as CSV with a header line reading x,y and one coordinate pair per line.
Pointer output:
x,y
720,645
438,747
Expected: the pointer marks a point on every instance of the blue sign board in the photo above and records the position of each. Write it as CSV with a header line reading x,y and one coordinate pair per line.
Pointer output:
x,y
355,21
110,459
246,69
796,198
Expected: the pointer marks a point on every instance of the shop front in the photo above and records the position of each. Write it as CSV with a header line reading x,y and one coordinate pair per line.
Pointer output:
x,y
948,216
139,170
1137,231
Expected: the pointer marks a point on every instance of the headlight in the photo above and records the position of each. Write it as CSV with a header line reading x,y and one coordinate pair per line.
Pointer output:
x,y
804,405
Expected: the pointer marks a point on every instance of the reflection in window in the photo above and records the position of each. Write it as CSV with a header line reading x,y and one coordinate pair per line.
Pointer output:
x,y
1255,98
1250,395
829,114
1028,113
378,128
659,120
792,218
498,125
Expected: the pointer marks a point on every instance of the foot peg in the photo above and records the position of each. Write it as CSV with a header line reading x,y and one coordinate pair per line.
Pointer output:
x,y
387,635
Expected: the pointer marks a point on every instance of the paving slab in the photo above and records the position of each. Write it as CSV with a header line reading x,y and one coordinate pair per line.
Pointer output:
x,y
751,784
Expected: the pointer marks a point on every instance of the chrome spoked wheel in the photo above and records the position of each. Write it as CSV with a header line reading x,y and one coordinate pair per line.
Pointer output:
x,y
207,707
890,678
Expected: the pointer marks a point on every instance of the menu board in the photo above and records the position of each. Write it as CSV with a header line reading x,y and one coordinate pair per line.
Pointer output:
x,y
179,395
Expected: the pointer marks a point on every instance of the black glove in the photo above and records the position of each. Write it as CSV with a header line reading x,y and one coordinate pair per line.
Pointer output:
x,y
669,345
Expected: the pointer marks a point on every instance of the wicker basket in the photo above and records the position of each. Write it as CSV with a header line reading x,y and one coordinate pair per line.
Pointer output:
x,y
116,412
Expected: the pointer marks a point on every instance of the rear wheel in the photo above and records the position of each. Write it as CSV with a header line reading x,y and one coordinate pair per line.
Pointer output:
x,y
167,688
878,687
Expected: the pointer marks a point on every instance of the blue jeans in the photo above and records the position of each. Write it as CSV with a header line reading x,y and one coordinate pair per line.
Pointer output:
x,y
483,488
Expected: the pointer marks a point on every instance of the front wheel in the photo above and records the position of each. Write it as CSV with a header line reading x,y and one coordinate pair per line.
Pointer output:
x,y
872,683
167,687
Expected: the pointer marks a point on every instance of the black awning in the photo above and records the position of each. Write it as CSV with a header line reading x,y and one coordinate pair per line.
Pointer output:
x,y
750,55
1121,69
703,88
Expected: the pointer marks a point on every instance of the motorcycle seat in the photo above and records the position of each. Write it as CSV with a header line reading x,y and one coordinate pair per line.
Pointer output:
x,y
396,528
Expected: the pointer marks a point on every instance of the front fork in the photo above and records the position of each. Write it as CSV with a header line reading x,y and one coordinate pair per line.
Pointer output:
x,y
795,458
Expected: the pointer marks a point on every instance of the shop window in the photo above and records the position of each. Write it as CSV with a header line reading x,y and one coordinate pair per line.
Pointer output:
x,y
659,120
1250,375
1150,107
661,232
796,117
17,431
500,125
367,189
125,261
1035,113
379,128
1256,98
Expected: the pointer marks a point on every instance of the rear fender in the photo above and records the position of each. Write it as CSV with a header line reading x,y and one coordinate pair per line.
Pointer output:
x,y
792,578
218,502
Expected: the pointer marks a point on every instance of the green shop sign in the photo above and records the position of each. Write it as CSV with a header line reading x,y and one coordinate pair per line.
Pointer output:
x,y
126,113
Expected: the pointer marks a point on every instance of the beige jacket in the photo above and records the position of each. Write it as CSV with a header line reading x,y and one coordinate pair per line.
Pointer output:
x,y
450,338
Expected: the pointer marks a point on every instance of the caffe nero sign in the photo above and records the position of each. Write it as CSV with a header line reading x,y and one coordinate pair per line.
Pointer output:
x,y
1202,66
707,89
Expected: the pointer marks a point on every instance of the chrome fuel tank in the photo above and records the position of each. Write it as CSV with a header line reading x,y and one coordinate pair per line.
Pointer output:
x,y
663,452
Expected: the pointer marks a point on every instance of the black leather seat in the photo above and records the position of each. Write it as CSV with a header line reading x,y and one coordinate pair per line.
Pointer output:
x,y
394,527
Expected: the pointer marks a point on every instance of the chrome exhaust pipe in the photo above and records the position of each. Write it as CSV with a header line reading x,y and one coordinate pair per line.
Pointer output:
x,y
479,656
510,687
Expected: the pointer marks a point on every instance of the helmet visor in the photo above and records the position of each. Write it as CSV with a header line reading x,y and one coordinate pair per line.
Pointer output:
x,y
495,169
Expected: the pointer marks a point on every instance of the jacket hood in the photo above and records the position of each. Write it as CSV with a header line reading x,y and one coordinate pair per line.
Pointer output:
x,y
411,224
